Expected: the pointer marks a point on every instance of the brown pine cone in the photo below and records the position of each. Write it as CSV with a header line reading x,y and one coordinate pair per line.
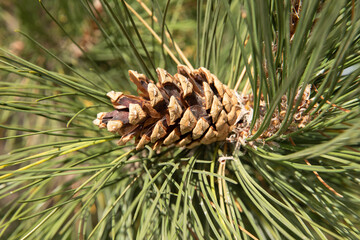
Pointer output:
x,y
187,109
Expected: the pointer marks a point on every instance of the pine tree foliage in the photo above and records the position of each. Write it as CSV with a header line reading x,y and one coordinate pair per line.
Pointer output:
x,y
290,172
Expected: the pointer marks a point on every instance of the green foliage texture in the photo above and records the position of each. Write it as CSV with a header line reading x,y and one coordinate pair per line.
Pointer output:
x,y
63,178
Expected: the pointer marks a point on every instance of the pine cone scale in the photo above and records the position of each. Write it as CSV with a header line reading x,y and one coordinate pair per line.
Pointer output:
x,y
201,126
172,137
187,122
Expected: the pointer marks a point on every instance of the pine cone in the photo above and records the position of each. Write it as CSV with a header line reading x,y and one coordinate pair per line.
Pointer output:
x,y
187,109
